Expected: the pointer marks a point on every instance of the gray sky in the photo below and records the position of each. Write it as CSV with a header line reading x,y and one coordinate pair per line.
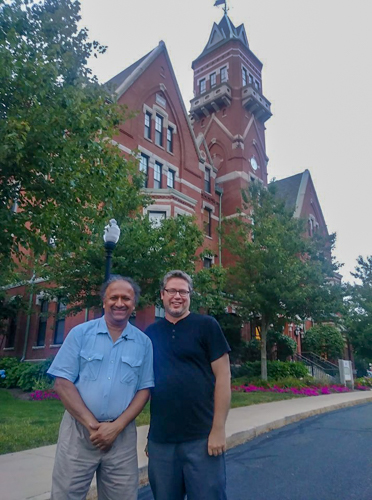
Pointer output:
x,y
317,57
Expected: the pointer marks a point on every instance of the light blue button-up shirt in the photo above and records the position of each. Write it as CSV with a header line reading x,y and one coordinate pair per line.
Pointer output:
x,y
106,374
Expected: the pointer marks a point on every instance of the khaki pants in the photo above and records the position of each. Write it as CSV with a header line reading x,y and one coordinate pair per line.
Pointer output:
x,y
77,460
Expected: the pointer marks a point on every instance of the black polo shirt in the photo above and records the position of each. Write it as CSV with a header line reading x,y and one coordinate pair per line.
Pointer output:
x,y
182,400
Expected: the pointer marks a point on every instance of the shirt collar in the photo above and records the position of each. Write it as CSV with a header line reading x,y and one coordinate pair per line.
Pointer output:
x,y
128,331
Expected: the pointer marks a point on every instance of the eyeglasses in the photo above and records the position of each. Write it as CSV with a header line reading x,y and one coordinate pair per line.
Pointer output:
x,y
172,292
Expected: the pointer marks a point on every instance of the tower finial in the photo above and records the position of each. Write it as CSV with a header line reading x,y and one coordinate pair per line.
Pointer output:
x,y
221,2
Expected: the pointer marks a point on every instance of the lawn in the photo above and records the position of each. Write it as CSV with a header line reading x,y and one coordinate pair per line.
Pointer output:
x,y
30,424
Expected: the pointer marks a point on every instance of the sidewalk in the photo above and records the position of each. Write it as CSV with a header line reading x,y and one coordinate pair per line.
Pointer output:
x,y
27,474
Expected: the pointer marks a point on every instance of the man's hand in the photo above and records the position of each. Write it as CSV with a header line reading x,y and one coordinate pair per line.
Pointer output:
x,y
103,434
217,442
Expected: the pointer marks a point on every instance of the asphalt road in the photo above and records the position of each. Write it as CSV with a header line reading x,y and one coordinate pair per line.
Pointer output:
x,y
327,457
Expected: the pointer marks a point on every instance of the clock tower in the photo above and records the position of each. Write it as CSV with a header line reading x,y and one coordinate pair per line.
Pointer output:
x,y
229,111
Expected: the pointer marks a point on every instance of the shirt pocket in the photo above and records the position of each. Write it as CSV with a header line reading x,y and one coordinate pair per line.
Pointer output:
x,y
129,369
90,363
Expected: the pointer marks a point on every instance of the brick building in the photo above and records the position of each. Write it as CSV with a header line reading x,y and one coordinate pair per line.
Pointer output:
x,y
194,163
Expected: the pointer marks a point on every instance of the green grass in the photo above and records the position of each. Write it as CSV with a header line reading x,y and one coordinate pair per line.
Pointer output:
x,y
27,424
254,398
30,424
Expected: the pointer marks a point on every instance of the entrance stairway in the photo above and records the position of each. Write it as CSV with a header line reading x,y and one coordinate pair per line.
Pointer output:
x,y
319,368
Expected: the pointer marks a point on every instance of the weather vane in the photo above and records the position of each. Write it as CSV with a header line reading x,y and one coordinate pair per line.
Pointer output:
x,y
221,2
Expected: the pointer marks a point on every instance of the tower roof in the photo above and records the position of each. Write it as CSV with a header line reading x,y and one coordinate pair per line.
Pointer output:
x,y
222,33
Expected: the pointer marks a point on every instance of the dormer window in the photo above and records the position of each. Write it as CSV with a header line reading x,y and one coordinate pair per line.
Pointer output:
x,y
148,125
159,130
170,140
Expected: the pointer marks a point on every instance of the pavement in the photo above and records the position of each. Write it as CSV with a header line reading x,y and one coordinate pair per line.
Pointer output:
x,y
26,475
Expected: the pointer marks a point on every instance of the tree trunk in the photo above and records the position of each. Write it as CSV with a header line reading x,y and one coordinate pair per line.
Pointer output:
x,y
264,327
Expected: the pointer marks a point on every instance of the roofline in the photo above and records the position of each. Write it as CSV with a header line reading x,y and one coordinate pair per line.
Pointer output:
x,y
128,82
220,44
306,177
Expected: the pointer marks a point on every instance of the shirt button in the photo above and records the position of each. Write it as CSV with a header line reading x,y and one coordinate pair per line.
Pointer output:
x,y
109,378
173,337
111,361
89,359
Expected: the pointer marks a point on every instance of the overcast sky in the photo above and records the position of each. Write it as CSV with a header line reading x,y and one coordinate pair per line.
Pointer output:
x,y
317,74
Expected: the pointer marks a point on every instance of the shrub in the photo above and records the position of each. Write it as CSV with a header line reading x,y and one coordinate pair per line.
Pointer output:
x,y
7,364
25,375
275,370
324,340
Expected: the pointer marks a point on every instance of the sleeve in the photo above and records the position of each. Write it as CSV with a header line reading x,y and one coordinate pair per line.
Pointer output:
x,y
146,379
217,344
66,364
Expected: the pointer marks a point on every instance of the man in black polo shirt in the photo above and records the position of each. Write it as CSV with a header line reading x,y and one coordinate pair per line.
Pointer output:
x,y
190,400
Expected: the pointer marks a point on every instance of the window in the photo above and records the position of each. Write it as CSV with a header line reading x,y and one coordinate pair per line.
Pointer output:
x,y
207,180
144,168
59,328
310,226
223,74
170,140
170,178
244,77
148,125
12,329
156,218
213,80
250,78
42,323
158,130
257,84
207,221
159,313
202,86
157,175
207,262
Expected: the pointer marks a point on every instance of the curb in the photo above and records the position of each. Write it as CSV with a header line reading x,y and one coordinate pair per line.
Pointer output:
x,y
244,436
241,438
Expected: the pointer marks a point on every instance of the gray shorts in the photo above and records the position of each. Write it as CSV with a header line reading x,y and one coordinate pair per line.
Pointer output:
x,y
186,468
77,460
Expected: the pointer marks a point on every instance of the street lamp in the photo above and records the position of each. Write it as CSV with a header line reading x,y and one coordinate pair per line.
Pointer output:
x,y
111,236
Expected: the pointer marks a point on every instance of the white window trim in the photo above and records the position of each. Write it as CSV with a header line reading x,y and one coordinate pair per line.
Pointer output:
x,y
158,208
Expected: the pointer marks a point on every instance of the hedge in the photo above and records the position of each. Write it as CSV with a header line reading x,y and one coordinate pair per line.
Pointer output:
x,y
275,370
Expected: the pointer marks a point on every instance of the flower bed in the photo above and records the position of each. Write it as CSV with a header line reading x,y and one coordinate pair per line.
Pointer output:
x,y
42,395
301,391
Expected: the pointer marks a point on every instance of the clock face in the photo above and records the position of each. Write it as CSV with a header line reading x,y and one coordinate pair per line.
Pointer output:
x,y
254,163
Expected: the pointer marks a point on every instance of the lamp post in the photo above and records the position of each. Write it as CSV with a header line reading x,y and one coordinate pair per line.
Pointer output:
x,y
111,236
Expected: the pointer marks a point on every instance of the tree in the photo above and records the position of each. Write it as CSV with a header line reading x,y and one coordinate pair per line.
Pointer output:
x,y
58,163
275,271
359,302
143,252
324,340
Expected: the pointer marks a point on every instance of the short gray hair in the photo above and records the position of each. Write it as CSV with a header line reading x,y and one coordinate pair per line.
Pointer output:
x,y
118,277
177,273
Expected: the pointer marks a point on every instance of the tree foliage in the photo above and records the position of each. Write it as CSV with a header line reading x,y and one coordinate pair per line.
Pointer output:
x,y
324,340
144,252
359,302
275,271
58,163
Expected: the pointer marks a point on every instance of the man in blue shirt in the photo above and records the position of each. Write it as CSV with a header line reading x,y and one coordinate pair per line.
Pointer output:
x,y
103,374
